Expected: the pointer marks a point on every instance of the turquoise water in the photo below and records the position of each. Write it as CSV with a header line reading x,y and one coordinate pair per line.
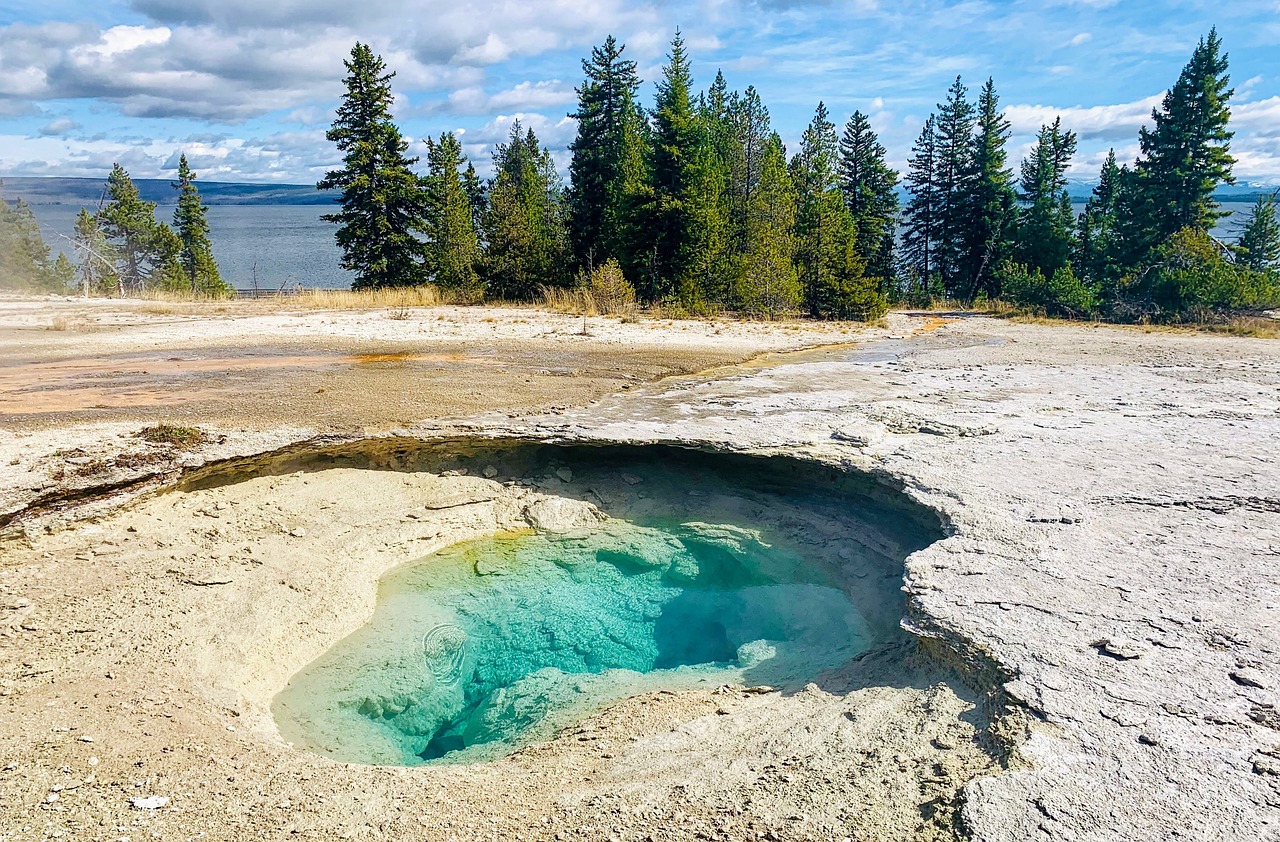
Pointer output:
x,y
698,570
480,648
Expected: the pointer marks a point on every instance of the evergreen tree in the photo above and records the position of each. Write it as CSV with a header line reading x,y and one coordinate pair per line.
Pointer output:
x,y
192,227
606,103
725,170
453,250
129,224
97,257
832,276
1045,238
767,283
524,226
477,195
1097,249
924,210
1258,247
987,203
868,183
384,205
167,272
751,139
1184,156
25,257
673,177
954,169
631,203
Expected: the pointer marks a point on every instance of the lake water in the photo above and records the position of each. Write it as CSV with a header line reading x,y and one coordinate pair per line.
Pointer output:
x,y
288,244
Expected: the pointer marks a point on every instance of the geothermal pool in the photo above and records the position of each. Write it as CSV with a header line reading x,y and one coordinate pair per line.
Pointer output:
x,y
697,571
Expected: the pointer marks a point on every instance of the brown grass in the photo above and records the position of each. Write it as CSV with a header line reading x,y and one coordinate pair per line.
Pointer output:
x,y
392,298
1257,327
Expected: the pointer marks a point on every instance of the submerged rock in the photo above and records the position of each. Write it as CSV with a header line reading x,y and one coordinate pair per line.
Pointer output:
x,y
559,515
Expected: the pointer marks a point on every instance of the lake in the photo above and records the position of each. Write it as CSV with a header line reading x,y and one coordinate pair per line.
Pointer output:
x,y
287,244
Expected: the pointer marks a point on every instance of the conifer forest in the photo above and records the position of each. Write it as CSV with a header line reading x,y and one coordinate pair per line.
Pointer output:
x,y
693,202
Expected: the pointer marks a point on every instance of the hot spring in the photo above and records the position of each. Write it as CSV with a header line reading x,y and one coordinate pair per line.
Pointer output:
x,y
641,568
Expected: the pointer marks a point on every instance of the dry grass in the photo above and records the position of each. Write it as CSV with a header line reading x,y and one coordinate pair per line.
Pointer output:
x,y
392,298
71,323
1257,327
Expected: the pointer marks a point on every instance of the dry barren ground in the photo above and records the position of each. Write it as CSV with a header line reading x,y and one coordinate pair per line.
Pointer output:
x,y
1111,574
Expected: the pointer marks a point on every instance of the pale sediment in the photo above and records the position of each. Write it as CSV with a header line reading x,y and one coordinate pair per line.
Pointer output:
x,y
1111,502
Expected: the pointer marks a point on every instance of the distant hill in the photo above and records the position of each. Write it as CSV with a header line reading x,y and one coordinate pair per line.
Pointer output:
x,y
85,192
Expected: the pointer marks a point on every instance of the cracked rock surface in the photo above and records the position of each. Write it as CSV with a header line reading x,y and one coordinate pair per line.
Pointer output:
x,y
1114,498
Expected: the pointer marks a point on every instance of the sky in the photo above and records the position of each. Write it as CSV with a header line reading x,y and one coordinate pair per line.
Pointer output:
x,y
246,88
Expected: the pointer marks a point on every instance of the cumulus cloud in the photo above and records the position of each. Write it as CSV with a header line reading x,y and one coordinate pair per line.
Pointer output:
x,y
524,97
59,127
1101,122
231,60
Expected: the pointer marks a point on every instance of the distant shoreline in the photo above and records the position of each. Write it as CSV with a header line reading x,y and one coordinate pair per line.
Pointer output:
x,y
86,192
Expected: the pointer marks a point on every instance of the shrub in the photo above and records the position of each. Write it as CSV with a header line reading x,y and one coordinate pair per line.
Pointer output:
x,y
610,291
1063,295
1191,276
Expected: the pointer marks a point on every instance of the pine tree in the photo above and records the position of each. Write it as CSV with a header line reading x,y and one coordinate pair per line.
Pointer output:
x,y
191,224
167,272
832,275
1184,156
924,210
25,257
631,205
672,179
751,138
987,203
767,283
719,218
384,205
97,257
453,250
819,204
477,195
1045,240
606,102
524,225
129,224
954,170
868,183
1258,246
1097,250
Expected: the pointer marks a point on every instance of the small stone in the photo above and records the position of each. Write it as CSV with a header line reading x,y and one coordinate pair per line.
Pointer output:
x,y
1264,764
1119,648
489,472
565,474
631,479
148,802
1248,677
85,739
298,532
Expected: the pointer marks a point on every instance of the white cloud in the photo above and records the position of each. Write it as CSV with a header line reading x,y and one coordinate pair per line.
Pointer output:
x,y
59,126
1120,121
121,39
1081,38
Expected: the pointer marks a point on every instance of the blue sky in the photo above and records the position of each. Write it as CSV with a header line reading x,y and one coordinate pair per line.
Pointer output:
x,y
247,87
